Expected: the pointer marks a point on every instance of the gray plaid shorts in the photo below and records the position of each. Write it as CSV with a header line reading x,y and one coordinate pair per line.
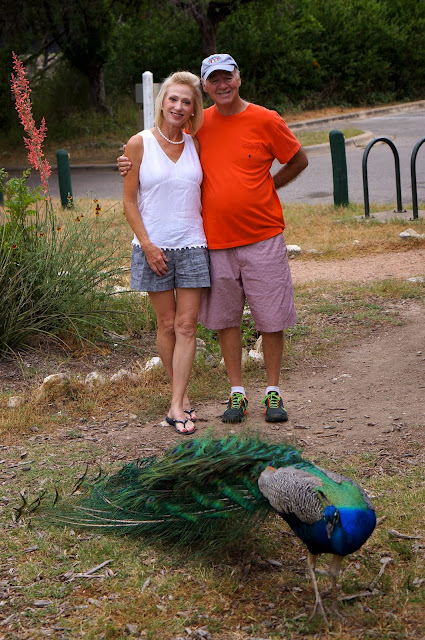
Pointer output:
x,y
188,268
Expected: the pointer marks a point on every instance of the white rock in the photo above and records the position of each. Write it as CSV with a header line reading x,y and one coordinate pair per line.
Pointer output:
x,y
259,345
411,233
293,249
256,355
152,363
201,343
209,359
56,378
416,279
94,378
15,401
343,375
123,374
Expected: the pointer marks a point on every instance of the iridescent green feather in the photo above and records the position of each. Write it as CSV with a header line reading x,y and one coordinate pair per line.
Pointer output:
x,y
202,488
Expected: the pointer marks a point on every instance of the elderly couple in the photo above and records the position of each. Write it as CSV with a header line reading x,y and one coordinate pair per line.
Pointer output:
x,y
236,213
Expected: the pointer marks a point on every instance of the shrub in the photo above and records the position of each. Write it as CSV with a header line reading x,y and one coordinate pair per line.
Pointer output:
x,y
57,271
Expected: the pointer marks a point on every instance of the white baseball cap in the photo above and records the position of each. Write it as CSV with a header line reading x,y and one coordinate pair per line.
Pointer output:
x,y
215,62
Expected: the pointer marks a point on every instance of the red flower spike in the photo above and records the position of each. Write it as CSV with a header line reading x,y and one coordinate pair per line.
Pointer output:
x,y
34,144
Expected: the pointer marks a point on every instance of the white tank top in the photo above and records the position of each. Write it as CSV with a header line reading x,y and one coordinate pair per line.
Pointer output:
x,y
170,195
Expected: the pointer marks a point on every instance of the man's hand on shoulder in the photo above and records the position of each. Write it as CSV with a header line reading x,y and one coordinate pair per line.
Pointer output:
x,y
123,163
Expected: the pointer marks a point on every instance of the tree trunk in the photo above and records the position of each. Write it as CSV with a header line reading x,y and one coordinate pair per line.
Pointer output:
x,y
97,89
208,32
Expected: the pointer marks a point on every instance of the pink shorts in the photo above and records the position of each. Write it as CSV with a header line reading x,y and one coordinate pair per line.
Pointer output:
x,y
258,273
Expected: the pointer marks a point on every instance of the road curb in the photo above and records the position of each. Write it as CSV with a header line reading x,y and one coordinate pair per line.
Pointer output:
x,y
376,111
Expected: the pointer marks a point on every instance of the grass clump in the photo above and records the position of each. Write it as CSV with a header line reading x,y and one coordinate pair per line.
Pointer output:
x,y
59,270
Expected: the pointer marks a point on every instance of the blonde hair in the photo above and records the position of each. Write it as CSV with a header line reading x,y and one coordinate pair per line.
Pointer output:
x,y
191,80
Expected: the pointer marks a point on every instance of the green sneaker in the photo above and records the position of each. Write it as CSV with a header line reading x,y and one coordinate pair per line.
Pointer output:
x,y
274,410
236,408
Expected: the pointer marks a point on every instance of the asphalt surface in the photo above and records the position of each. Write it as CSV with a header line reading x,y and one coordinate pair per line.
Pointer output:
x,y
404,129
404,125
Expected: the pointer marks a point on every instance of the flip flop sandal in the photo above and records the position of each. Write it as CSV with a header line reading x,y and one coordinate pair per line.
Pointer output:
x,y
189,413
173,423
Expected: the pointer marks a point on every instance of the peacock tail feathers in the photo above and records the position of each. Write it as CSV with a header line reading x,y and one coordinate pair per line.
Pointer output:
x,y
216,490
205,488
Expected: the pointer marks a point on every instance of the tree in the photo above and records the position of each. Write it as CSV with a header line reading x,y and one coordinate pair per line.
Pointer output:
x,y
208,14
84,31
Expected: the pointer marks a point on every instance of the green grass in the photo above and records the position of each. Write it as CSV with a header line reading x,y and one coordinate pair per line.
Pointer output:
x,y
308,138
326,232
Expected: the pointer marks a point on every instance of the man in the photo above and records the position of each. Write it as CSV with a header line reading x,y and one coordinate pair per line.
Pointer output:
x,y
243,224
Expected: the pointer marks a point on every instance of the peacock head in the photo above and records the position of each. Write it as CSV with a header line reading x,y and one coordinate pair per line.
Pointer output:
x,y
331,518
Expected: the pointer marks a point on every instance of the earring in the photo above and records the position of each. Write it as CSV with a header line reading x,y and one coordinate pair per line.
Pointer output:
x,y
193,114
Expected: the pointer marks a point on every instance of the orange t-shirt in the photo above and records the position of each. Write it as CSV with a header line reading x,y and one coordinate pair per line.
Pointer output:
x,y
239,201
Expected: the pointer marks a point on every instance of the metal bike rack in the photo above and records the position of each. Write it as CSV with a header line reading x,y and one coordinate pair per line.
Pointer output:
x,y
413,176
397,174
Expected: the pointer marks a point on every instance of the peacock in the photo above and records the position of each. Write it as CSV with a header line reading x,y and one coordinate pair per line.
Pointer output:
x,y
215,490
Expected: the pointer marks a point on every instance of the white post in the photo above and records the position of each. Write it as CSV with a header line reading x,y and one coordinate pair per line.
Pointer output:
x,y
148,110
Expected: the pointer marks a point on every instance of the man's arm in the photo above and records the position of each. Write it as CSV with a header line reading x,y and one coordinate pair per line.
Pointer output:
x,y
291,169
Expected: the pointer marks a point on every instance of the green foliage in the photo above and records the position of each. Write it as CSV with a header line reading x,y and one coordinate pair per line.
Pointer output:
x,y
85,31
280,66
53,280
143,44
57,94
298,55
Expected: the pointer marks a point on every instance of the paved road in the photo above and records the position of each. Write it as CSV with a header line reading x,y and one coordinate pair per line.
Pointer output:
x,y
315,184
404,129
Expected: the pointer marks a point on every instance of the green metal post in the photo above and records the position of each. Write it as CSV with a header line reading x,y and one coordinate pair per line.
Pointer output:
x,y
339,167
64,175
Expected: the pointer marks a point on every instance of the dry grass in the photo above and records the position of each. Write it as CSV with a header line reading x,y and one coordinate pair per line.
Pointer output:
x,y
334,233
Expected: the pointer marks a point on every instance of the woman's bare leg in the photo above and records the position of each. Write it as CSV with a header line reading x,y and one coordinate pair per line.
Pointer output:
x,y
176,340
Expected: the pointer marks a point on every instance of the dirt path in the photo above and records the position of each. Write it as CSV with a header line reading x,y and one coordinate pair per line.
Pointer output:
x,y
369,397
401,264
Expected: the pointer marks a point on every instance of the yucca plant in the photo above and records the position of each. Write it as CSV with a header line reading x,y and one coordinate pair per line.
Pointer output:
x,y
57,269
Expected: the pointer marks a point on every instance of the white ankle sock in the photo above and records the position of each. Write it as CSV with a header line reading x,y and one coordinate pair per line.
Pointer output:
x,y
237,390
272,389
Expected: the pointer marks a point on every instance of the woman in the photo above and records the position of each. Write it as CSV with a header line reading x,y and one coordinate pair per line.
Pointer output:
x,y
162,203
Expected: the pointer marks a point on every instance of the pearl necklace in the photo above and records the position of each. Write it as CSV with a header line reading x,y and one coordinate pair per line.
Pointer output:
x,y
167,139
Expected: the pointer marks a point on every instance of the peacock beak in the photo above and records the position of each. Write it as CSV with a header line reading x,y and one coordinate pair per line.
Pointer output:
x,y
329,529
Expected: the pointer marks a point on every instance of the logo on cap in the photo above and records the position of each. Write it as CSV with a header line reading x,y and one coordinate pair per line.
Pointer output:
x,y
215,59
